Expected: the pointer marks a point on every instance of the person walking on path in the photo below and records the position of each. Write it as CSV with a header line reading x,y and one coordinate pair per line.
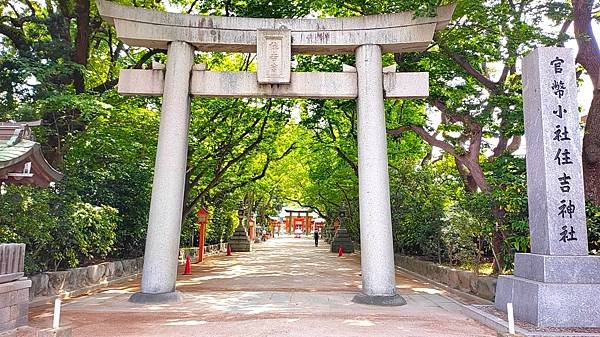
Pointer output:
x,y
316,238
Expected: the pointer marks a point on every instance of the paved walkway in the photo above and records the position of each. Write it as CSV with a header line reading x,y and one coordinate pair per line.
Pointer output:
x,y
286,287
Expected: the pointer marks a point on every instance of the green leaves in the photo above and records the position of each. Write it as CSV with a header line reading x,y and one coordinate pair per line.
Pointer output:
x,y
60,230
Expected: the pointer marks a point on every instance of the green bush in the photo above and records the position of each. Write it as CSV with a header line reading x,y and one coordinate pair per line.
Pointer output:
x,y
593,225
463,237
418,198
112,163
60,230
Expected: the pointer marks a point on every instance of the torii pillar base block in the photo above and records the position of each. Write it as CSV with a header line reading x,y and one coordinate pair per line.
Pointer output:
x,y
162,298
385,301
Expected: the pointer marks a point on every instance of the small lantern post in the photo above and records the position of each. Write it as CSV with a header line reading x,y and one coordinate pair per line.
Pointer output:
x,y
202,215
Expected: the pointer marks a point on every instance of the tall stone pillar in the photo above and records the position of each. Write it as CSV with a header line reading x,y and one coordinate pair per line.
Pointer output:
x,y
377,252
164,227
557,284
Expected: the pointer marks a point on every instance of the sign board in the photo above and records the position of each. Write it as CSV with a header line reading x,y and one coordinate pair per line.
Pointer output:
x,y
202,215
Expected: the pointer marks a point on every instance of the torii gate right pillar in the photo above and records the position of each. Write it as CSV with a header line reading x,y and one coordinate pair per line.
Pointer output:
x,y
377,253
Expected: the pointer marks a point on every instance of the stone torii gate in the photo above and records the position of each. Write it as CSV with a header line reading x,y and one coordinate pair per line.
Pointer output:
x,y
274,41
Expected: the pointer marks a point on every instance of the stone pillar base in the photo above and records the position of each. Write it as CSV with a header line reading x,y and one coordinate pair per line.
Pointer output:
x,y
14,304
60,332
142,298
552,291
342,239
240,242
387,301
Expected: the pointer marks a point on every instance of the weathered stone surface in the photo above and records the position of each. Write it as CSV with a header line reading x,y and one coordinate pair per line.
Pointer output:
x,y
39,285
342,238
60,332
569,292
406,85
399,32
546,165
13,288
386,301
453,281
377,251
118,268
14,304
274,56
482,286
8,326
338,85
550,304
465,279
5,314
13,333
128,265
161,298
78,278
96,273
58,281
240,242
140,263
12,256
164,220
4,278
145,82
558,269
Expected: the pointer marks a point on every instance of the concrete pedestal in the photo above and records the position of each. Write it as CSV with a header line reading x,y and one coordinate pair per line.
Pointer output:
x,y
14,304
377,251
553,290
550,304
164,227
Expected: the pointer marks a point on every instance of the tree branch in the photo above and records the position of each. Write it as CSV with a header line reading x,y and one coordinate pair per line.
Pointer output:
x,y
466,66
431,140
110,83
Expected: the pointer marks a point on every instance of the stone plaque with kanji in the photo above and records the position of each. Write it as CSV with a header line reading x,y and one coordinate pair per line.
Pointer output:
x,y
274,53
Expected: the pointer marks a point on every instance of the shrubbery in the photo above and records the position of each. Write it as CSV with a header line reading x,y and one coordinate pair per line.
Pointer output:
x,y
60,230
593,224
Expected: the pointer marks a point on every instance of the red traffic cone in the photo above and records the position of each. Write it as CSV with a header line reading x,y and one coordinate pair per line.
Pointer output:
x,y
228,250
340,251
188,266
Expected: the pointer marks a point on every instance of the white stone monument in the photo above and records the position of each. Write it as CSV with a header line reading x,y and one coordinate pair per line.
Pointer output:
x,y
558,283
274,41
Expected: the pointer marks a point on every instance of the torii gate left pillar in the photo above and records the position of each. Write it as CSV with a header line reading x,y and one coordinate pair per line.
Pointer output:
x,y
367,37
166,205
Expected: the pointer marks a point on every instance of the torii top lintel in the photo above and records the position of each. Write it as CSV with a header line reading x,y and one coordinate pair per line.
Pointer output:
x,y
399,32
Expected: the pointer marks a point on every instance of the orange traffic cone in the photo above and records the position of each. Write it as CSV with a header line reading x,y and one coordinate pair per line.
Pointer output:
x,y
228,250
188,266
340,251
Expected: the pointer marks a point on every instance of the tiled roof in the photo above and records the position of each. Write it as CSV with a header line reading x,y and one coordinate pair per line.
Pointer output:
x,y
10,153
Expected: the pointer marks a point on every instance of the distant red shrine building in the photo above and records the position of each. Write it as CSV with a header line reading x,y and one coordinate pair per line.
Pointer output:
x,y
21,158
303,220
275,224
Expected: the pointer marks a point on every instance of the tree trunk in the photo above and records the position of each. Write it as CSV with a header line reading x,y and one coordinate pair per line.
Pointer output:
x,y
476,173
82,10
591,152
498,237
589,57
